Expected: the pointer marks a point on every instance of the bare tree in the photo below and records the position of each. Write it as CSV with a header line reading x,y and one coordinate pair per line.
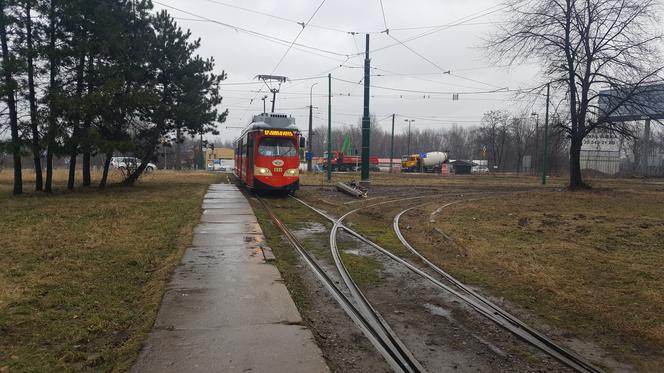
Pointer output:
x,y
584,46
521,133
494,133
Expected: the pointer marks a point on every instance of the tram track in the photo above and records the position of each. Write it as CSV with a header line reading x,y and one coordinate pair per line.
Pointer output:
x,y
357,308
497,314
480,304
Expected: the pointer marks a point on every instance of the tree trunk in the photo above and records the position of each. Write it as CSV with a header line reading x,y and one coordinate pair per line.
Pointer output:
x,y
87,178
131,180
87,146
11,102
72,161
107,165
178,154
34,124
76,133
575,178
52,115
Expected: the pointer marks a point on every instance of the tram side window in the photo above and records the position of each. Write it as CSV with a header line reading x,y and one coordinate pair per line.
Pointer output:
x,y
276,147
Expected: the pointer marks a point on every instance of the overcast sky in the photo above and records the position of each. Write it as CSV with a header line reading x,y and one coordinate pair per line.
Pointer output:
x,y
457,48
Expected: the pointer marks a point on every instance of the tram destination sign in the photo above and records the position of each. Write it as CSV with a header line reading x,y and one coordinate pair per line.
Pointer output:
x,y
630,104
278,133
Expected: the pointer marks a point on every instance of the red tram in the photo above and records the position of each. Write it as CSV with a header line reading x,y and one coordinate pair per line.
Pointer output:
x,y
267,154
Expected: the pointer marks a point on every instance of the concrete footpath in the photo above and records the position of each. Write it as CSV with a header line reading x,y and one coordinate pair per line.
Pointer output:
x,y
226,309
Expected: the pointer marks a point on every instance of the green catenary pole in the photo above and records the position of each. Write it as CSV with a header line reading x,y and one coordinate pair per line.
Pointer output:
x,y
366,121
392,143
546,135
329,127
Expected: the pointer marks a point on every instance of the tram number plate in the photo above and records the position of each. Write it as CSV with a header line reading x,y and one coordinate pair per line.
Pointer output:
x,y
278,169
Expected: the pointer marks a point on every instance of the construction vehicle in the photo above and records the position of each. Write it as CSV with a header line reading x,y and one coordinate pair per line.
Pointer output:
x,y
344,160
431,162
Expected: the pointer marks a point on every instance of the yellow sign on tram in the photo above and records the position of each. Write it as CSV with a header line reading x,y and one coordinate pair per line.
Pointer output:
x,y
278,133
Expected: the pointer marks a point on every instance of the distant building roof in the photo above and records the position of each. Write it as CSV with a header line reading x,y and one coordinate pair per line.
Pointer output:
x,y
462,163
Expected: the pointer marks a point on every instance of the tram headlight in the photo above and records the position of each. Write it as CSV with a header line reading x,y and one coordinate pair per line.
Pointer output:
x,y
262,171
292,172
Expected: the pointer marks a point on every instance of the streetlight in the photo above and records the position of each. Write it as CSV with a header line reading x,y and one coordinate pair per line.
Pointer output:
x,y
534,163
410,121
309,142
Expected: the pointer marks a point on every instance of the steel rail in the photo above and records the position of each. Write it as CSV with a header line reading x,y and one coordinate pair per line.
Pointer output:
x,y
567,357
480,307
377,320
376,338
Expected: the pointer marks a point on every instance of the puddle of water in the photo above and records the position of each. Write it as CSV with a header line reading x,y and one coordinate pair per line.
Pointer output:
x,y
438,311
313,228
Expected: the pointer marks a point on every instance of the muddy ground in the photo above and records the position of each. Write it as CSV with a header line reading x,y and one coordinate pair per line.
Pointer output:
x,y
443,333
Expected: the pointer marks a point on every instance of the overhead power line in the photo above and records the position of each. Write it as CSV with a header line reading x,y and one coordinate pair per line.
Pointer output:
x,y
459,22
283,57
290,80
289,20
298,36
382,9
257,34
500,90
440,68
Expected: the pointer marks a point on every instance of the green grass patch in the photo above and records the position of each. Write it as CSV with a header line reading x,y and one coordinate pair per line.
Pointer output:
x,y
364,270
83,273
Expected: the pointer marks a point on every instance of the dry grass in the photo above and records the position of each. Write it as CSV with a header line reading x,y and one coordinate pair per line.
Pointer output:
x,y
486,181
399,179
83,272
591,263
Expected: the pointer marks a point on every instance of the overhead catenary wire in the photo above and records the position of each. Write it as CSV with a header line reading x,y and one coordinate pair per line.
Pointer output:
x,y
290,80
284,56
425,58
382,10
461,21
290,20
257,34
499,90
400,93
304,26
444,71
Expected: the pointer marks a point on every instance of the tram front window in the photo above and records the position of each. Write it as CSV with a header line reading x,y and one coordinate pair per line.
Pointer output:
x,y
277,147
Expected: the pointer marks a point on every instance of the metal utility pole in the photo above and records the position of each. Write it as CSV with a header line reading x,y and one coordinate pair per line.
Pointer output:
x,y
201,162
392,143
533,162
311,131
410,121
546,135
366,121
178,156
329,127
646,148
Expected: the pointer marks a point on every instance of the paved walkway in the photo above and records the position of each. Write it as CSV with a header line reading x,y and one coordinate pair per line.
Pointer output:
x,y
225,309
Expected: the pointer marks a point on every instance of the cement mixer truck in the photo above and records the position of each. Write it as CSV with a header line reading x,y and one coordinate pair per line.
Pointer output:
x,y
425,162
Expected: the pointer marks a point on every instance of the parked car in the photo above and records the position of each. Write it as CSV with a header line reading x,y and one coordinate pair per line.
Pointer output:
x,y
481,169
123,163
